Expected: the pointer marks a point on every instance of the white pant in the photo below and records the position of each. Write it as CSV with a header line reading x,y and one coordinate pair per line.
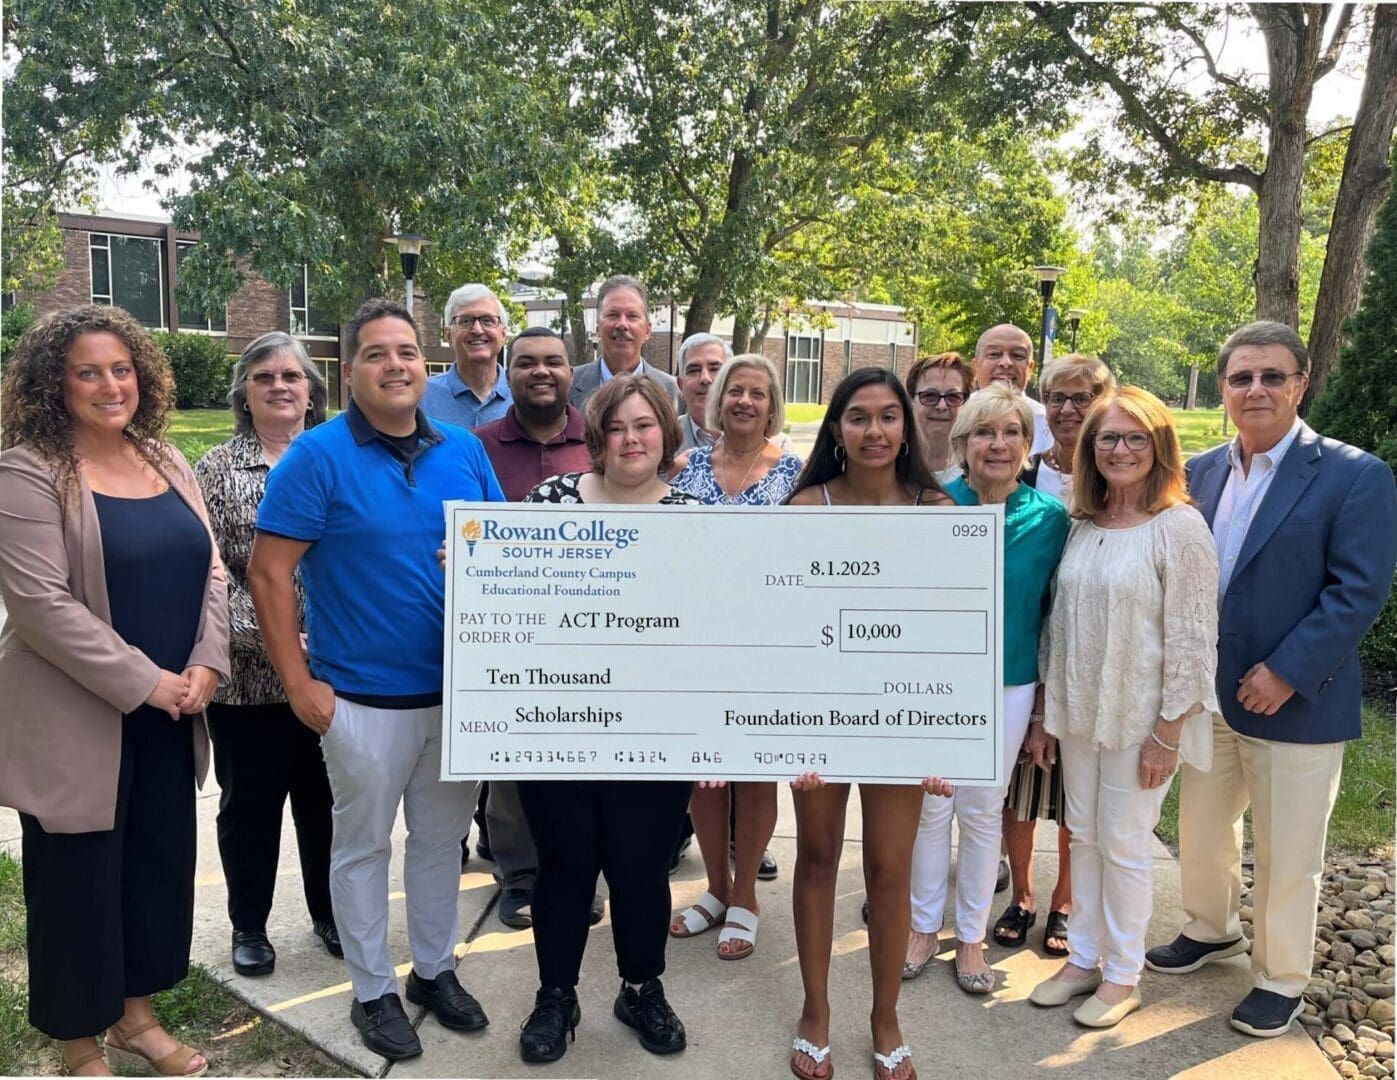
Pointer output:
x,y
1291,788
376,758
980,813
1112,819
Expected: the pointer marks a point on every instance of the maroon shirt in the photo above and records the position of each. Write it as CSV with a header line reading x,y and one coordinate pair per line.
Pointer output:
x,y
522,464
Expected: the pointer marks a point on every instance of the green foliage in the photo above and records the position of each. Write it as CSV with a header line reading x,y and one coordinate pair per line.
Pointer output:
x,y
1359,402
197,431
201,365
13,324
31,244
1378,649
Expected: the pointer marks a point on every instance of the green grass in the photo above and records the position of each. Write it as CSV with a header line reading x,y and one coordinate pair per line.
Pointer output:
x,y
197,431
1362,818
199,1011
1200,429
804,414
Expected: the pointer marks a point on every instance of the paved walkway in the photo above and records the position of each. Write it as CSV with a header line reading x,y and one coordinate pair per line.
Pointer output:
x,y
739,1014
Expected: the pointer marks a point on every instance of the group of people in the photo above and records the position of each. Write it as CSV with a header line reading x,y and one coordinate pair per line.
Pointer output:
x,y
284,601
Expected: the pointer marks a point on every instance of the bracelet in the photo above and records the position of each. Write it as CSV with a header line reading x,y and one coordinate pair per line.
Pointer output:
x,y
1035,718
1156,738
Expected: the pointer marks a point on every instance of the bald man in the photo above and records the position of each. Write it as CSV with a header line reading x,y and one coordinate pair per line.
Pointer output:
x,y
1004,354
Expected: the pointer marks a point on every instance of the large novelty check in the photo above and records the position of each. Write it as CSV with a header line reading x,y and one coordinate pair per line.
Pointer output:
x,y
675,642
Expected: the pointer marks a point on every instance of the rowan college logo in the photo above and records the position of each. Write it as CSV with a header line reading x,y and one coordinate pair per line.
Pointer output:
x,y
471,532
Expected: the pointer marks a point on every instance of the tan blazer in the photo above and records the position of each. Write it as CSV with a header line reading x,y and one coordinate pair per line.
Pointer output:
x,y
66,677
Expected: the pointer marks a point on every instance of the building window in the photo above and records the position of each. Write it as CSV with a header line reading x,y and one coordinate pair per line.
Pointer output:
x,y
330,369
308,319
438,367
848,355
802,368
190,317
129,272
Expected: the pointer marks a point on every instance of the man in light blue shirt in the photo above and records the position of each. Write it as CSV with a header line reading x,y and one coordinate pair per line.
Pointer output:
x,y
476,390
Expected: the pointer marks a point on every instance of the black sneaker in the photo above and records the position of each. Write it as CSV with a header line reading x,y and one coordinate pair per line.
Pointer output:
x,y
646,1010
515,910
768,870
1183,954
252,953
448,1000
329,936
1266,1014
544,1035
385,1028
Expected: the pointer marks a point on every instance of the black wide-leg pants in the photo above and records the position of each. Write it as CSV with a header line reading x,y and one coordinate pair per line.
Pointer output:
x,y
623,829
111,914
262,755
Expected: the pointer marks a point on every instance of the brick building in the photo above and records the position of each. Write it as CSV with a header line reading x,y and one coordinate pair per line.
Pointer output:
x,y
134,263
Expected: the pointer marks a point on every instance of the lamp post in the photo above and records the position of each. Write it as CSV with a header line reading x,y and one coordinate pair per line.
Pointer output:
x,y
409,247
1047,281
1074,319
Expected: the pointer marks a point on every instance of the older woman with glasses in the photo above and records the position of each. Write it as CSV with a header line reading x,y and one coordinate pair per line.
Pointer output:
x,y
1129,655
1069,385
262,753
939,385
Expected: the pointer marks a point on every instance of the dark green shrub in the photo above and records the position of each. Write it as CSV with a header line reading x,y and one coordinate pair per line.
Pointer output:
x,y
201,366
13,324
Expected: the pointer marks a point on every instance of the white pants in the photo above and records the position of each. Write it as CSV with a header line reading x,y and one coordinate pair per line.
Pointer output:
x,y
376,758
1291,788
1112,819
979,811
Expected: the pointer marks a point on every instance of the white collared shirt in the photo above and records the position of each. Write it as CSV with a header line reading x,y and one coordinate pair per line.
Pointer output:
x,y
1241,497
606,375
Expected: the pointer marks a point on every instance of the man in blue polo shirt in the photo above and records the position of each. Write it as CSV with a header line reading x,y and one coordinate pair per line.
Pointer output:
x,y
357,504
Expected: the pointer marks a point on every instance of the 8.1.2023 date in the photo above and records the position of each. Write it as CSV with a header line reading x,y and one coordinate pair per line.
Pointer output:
x,y
845,568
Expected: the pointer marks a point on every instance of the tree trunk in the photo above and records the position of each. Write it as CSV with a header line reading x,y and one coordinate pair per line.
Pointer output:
x,y
574,290
758,342
741,333
1292,48
703,304
1365,183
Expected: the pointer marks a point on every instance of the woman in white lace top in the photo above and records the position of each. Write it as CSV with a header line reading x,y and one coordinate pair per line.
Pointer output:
x,y
1129,654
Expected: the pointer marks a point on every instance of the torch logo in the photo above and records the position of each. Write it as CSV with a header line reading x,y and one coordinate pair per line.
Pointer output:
x,y
471,532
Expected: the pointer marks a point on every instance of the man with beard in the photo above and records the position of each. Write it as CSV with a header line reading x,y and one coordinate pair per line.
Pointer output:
x,y
623,328
475,390
540,435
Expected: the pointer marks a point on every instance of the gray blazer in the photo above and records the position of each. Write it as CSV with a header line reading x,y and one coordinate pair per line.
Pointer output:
x,y
66,677
586,381
1313,573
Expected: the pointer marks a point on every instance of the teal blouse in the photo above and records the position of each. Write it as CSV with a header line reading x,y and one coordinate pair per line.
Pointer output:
x,y
1035,531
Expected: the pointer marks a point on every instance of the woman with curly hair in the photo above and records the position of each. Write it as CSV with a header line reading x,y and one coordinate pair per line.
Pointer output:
x,y
115,639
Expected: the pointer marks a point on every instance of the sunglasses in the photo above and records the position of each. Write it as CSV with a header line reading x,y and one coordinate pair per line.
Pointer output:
x,y
1272,380
930,398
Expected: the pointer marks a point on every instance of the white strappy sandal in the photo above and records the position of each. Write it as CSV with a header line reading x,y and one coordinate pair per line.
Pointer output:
x,y
817,1054
892,1061
700,917
735,930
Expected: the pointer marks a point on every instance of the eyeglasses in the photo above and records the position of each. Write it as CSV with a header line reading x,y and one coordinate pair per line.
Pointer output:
x,y
1134,440
268,378
930,398
487,322
1272,380
1080,402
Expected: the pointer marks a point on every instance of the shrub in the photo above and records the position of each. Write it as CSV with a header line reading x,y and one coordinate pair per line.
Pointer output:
x,y
201,366
13,324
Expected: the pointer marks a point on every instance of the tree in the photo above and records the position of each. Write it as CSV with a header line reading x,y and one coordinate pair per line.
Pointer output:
x,y
1179,137
1359,403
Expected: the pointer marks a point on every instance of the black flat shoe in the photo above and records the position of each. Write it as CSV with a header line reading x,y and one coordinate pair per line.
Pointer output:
x,y
646,1010
252,953
448,1001
1266,1014
1011,930
597,910
768,870
1002,877
385,1028
544,1035
329,936
514,910
1055,927
1183,954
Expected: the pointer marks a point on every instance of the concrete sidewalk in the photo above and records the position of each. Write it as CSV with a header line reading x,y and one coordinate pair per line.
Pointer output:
x,y
739,1015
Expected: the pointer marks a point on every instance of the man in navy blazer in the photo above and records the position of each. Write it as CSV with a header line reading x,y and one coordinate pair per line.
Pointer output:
x,y
623,328
1306,531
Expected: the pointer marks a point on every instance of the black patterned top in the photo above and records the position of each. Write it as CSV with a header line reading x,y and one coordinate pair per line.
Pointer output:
x,y
565,489
233,476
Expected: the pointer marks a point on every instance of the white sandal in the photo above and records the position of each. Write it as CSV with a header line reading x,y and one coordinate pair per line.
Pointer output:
x,y
817,1054
893,1060
733,930
700,917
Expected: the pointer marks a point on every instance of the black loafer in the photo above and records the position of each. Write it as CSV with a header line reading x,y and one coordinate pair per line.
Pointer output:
x,y
1001,879
385,1028
646,1010
514,909
863,913
252,953
1266,1014
1183,954
598,909
448,1000
544,1035
329,936
768,870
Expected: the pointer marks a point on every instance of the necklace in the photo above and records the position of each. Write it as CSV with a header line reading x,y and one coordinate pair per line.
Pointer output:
x,y
728,500
1051,457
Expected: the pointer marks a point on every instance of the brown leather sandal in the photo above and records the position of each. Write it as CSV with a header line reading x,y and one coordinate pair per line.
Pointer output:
x,y
175,1063
72,1065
